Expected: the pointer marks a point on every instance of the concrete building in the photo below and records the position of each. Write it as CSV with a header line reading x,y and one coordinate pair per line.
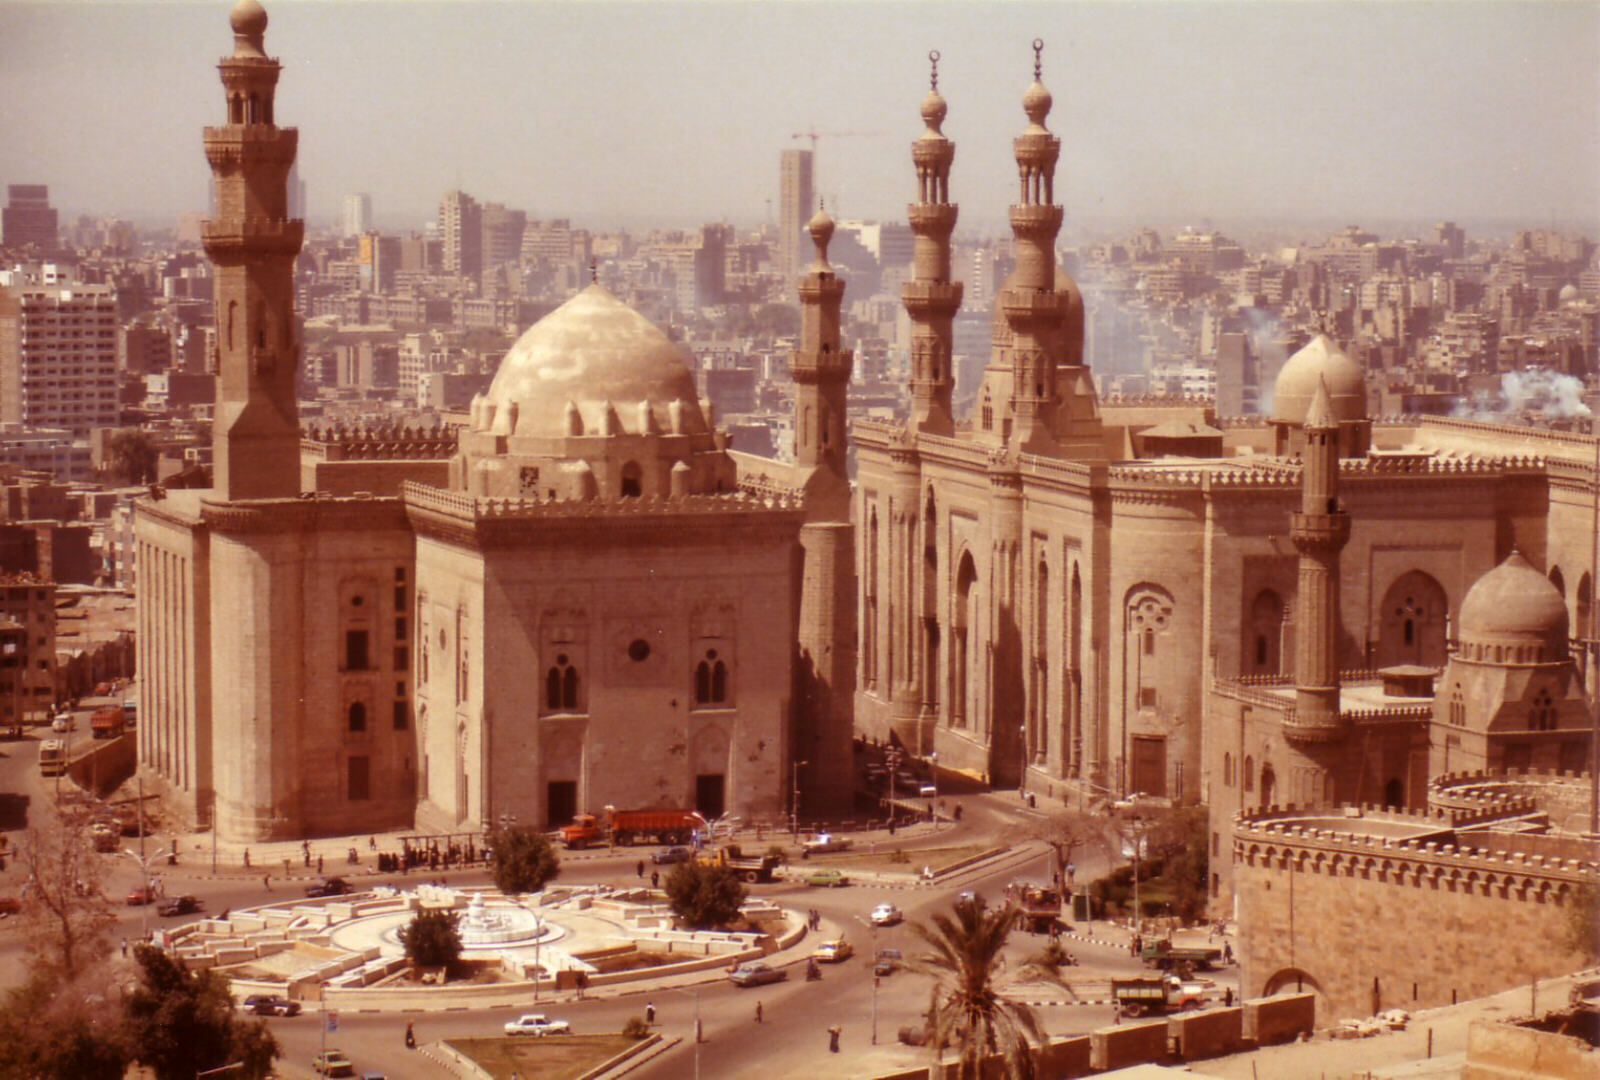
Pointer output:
x,y
27,647
502,234
356,219
28,219
58,355
461,234
795,203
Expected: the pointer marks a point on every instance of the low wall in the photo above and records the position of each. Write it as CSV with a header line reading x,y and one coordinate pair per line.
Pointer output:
x,y
1122,1045
1279,1019
1066,1059
1501,1051
106,764
1207,1034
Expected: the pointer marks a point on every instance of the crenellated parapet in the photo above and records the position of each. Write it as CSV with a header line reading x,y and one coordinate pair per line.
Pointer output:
x,y
379,442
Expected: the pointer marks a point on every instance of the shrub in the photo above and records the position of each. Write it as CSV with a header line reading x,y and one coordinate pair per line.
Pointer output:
x,y
432,939
636,1028
704,896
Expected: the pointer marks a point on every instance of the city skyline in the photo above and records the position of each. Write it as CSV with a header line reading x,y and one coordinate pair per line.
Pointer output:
x,y
1383,113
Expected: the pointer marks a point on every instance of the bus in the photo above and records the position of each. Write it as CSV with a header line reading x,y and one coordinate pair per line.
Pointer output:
x,y
52,757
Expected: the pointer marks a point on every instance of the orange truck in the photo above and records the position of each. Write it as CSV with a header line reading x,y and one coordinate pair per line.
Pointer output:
x,y
107,723
627,827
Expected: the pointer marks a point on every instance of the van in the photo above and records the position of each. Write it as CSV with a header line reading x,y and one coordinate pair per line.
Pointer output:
x,y
130,712
52,757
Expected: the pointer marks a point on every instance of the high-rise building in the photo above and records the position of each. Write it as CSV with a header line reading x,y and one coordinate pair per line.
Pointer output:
x,y
502,234
461,233
28,217
297,194
795,207
58,355
357,218
711,264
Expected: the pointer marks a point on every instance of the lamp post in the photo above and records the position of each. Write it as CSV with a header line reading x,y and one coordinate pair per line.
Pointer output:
x,y
872,926
933,771
794,798
892,759
144,867
1022,776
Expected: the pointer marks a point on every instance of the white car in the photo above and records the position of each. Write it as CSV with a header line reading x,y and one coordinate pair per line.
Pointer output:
x,y
886,915
537,1024
62,722
826,842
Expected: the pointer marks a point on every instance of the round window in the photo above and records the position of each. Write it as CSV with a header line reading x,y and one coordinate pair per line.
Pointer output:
x,y
561,658
639,650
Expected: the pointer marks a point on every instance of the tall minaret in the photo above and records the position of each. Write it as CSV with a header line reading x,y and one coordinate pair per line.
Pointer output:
x,y
821,369
931,298
1034,310
1319,531
825,668
253,243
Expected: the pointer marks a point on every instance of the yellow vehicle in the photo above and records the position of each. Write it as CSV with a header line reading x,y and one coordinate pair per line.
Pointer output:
x,y
833,952
750,868
52,757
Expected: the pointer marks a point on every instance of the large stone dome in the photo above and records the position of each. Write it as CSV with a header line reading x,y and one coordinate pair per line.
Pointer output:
x,y
1516,608
593,352
1320,360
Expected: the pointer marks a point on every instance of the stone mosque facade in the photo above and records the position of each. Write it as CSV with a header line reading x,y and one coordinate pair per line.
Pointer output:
x,y
596,601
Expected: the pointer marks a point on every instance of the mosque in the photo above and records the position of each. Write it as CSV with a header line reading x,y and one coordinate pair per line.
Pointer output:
x,y
597,601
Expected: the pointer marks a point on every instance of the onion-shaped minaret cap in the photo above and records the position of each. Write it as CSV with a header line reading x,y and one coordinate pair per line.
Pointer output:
x,y
249,21
933,106
1037,101
821,229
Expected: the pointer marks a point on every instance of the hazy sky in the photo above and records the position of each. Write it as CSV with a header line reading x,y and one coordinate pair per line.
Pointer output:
x,y
676,112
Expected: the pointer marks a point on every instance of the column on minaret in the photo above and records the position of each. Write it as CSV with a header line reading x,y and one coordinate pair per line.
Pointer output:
x,y
931,298
253,242
1320,531
1033,308
825,697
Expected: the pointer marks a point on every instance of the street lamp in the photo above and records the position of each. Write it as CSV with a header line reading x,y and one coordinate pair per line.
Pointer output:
x,y
794,798
1022,777
875,980
891,758
144,866
933,770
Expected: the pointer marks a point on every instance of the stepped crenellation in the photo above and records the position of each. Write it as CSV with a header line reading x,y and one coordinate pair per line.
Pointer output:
x,y
380,441
480,508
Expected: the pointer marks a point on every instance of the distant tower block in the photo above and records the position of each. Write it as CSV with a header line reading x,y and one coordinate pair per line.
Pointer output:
x,y
795,201
931,298
253,242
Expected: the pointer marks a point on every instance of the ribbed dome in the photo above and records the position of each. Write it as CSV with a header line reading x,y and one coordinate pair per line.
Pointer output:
x,y
1322,361
594,352
1515,604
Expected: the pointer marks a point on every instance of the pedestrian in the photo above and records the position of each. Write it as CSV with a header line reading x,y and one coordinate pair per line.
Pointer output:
x,y
124,946
411,1037
758,1012
1227,997
1227,952
247,858
649,1012
833,1039
319,864
372,843
266,882
699,1032
638,868
655,878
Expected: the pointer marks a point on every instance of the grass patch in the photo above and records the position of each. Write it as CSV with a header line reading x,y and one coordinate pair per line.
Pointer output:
x,y
886,858
551,1057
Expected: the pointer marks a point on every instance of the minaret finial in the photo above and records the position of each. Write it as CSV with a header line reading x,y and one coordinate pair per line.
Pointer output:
x,y
933,61
1038,65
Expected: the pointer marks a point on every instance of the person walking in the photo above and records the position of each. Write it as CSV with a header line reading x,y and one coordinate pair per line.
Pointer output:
x,y
758,1012
124,946
266,882
638,868
655,879
411,1036
833,1039
649,1012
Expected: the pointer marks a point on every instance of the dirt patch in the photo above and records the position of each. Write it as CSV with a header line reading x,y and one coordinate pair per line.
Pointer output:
x,y
552,1057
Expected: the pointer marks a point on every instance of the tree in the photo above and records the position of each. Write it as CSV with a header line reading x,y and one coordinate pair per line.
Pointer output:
x,y
1067,831
50,1030
132,457
967,1007
182,1022
524,861
65,915
704,896
433,938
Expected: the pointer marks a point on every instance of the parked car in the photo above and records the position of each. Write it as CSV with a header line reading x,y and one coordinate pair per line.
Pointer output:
x,y
826,877
140,895
669,855
333,1063
537,1024
886,915
270,1005
755,973
62,722
888,962
823,843
178,905
332,886
833,952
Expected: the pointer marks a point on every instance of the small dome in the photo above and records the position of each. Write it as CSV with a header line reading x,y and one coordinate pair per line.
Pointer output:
x,y
1568,293
248,18
1322,363
934,111
1514,603
1036,103
821,229
591,351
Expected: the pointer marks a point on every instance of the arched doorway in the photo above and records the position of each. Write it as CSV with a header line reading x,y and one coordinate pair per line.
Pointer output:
x,y
962,683
1294,980
1411,622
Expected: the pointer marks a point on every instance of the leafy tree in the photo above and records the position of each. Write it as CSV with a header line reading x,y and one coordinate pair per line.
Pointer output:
x,y
50,1030
704,896
65,915
433,938
132,457
967,1008
1068,830
524,860
182,1022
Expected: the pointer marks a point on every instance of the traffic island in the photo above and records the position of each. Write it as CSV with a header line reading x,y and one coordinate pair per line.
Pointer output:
x,y
552,1057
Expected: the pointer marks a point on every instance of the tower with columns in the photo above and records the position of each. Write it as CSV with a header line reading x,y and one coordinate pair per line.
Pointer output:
x,y
931,298
253,243
1319,530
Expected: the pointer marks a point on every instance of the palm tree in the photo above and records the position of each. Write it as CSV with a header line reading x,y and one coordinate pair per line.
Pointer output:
x,y
967,1006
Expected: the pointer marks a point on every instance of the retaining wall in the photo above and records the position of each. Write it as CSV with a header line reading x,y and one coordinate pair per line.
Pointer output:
x,y
1211,1033
1279,1019
1133,1043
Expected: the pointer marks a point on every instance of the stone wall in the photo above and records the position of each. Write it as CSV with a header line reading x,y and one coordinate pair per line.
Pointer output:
x,y
1368,921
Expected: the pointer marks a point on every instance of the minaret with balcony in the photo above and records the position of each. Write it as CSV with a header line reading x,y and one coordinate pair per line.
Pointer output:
x,y
931,298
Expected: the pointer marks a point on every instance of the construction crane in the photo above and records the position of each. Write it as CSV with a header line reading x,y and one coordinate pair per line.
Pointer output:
x,y
814,135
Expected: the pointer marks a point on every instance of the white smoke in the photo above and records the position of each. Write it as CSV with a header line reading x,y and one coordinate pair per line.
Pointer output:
x,y
1529,391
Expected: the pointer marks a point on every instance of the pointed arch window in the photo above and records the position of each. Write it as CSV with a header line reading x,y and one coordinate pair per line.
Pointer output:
x,y
561,685
711,680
